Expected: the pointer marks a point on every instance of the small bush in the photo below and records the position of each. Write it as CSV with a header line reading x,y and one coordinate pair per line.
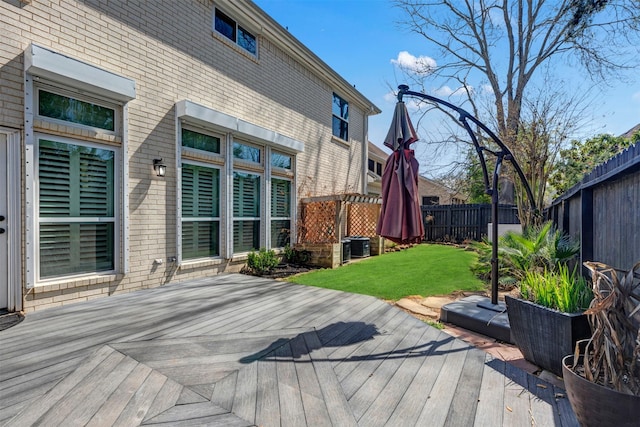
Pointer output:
x,y
262,262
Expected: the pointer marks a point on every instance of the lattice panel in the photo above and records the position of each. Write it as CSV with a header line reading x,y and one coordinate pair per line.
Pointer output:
x,y
363,219
319,222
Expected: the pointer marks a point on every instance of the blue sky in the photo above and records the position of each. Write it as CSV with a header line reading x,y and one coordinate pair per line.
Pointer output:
x,y
361,41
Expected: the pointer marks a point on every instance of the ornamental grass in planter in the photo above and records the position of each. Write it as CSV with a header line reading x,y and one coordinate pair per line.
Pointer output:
x,y
602,377
547,320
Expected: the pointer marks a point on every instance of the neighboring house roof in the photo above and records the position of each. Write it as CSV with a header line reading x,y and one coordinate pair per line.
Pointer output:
x,y
377,153
631,132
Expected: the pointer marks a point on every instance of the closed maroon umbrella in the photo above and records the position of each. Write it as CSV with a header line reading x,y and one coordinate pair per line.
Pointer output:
x,y
401,217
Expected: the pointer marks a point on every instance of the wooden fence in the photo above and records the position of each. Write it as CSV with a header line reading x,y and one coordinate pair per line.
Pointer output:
x,y
603,211
457,223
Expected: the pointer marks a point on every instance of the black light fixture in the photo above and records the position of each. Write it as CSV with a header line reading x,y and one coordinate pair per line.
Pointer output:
x,y
159,167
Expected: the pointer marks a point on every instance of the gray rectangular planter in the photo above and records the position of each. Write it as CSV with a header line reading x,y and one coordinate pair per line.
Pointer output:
x,y
545,336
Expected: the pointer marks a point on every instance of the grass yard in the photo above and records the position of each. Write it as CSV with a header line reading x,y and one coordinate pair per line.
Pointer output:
x,y
424,270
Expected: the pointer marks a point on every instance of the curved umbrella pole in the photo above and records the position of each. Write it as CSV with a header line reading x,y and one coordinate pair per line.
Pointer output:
x,y
491,188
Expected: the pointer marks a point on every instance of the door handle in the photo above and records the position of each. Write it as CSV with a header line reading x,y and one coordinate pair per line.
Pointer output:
x,y
2,230
2,218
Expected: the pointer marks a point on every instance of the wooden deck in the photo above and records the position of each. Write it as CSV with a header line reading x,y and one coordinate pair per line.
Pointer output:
x,y
237,350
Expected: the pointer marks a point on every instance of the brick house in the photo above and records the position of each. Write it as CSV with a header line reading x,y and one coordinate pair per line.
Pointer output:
x,y
98,99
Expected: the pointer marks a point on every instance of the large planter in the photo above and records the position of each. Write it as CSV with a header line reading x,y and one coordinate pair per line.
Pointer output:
x,y
596,405
545,336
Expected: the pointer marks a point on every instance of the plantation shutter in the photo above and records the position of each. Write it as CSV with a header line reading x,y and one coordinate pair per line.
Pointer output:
x,y
200,200
246,212
280,198
76,182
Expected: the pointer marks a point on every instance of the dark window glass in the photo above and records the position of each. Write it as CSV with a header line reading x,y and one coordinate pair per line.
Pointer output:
x,y
225,26
200,141
430,200
72,110
379,168
246,152
246,40
340,111
372,165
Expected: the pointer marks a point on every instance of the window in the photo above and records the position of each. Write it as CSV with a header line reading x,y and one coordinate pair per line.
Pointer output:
x,y
200,211
372,165
72,110
280,212
200,141
340,110
379,168
279,160
246,212
246,152
76,227
430,200
234,32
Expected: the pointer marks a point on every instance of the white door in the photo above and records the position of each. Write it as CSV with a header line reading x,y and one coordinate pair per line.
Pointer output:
x,y
4,240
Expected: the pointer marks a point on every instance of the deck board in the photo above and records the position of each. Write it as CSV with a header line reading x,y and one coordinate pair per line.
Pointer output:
x,y
237,350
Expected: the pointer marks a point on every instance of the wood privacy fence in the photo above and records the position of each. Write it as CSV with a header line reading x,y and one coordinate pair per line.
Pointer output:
x,y
603,211
457,223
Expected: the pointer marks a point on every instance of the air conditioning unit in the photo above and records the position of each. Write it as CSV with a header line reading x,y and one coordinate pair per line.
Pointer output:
x,y
360,246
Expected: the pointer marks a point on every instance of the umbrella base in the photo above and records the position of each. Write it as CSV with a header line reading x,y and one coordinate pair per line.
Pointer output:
x,y
477,314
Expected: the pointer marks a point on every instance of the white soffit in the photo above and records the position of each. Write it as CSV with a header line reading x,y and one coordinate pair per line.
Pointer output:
x,y
45,63
207,117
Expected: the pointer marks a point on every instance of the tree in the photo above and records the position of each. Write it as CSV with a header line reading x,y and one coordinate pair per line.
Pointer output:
x,y
500,48
583,156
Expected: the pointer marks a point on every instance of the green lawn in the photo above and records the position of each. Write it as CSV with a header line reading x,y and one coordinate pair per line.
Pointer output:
x,y
422,270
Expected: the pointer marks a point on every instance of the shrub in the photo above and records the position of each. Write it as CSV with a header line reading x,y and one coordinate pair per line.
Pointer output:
x,y
295,256
263,261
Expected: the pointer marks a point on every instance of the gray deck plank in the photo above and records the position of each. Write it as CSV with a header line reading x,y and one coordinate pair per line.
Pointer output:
x,y
436,408
289,354
340,411
268,402
316,411
244,401
141,401
291,407
417,393
376,382
490,409
108,412
516,397
385,403
462,411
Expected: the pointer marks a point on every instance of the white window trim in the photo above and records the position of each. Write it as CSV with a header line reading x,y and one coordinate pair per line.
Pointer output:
x,y
41,63
179,258
117,243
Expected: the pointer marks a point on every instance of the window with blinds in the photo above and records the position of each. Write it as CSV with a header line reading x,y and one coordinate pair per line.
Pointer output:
x,y
246,212
280,212
76,208
200,211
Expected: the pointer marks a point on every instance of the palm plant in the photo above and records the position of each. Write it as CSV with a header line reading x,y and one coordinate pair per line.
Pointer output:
x,y
538,248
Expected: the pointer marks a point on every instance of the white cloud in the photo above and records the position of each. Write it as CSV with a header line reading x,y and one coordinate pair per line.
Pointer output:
x,y
414,64
446,91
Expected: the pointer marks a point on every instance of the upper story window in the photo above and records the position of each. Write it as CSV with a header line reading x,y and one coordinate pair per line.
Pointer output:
x,y
234,32
340,111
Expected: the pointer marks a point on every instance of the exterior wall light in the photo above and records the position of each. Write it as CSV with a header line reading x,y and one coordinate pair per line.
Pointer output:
x,y
159,167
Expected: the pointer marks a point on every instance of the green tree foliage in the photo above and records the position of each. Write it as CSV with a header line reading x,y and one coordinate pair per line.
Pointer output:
x,y
582,156
473,183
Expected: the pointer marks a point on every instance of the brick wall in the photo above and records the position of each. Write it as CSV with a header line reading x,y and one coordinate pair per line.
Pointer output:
x,y
169,49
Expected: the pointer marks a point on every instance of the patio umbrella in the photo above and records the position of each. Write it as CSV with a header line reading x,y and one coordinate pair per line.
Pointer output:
x,y
401,217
